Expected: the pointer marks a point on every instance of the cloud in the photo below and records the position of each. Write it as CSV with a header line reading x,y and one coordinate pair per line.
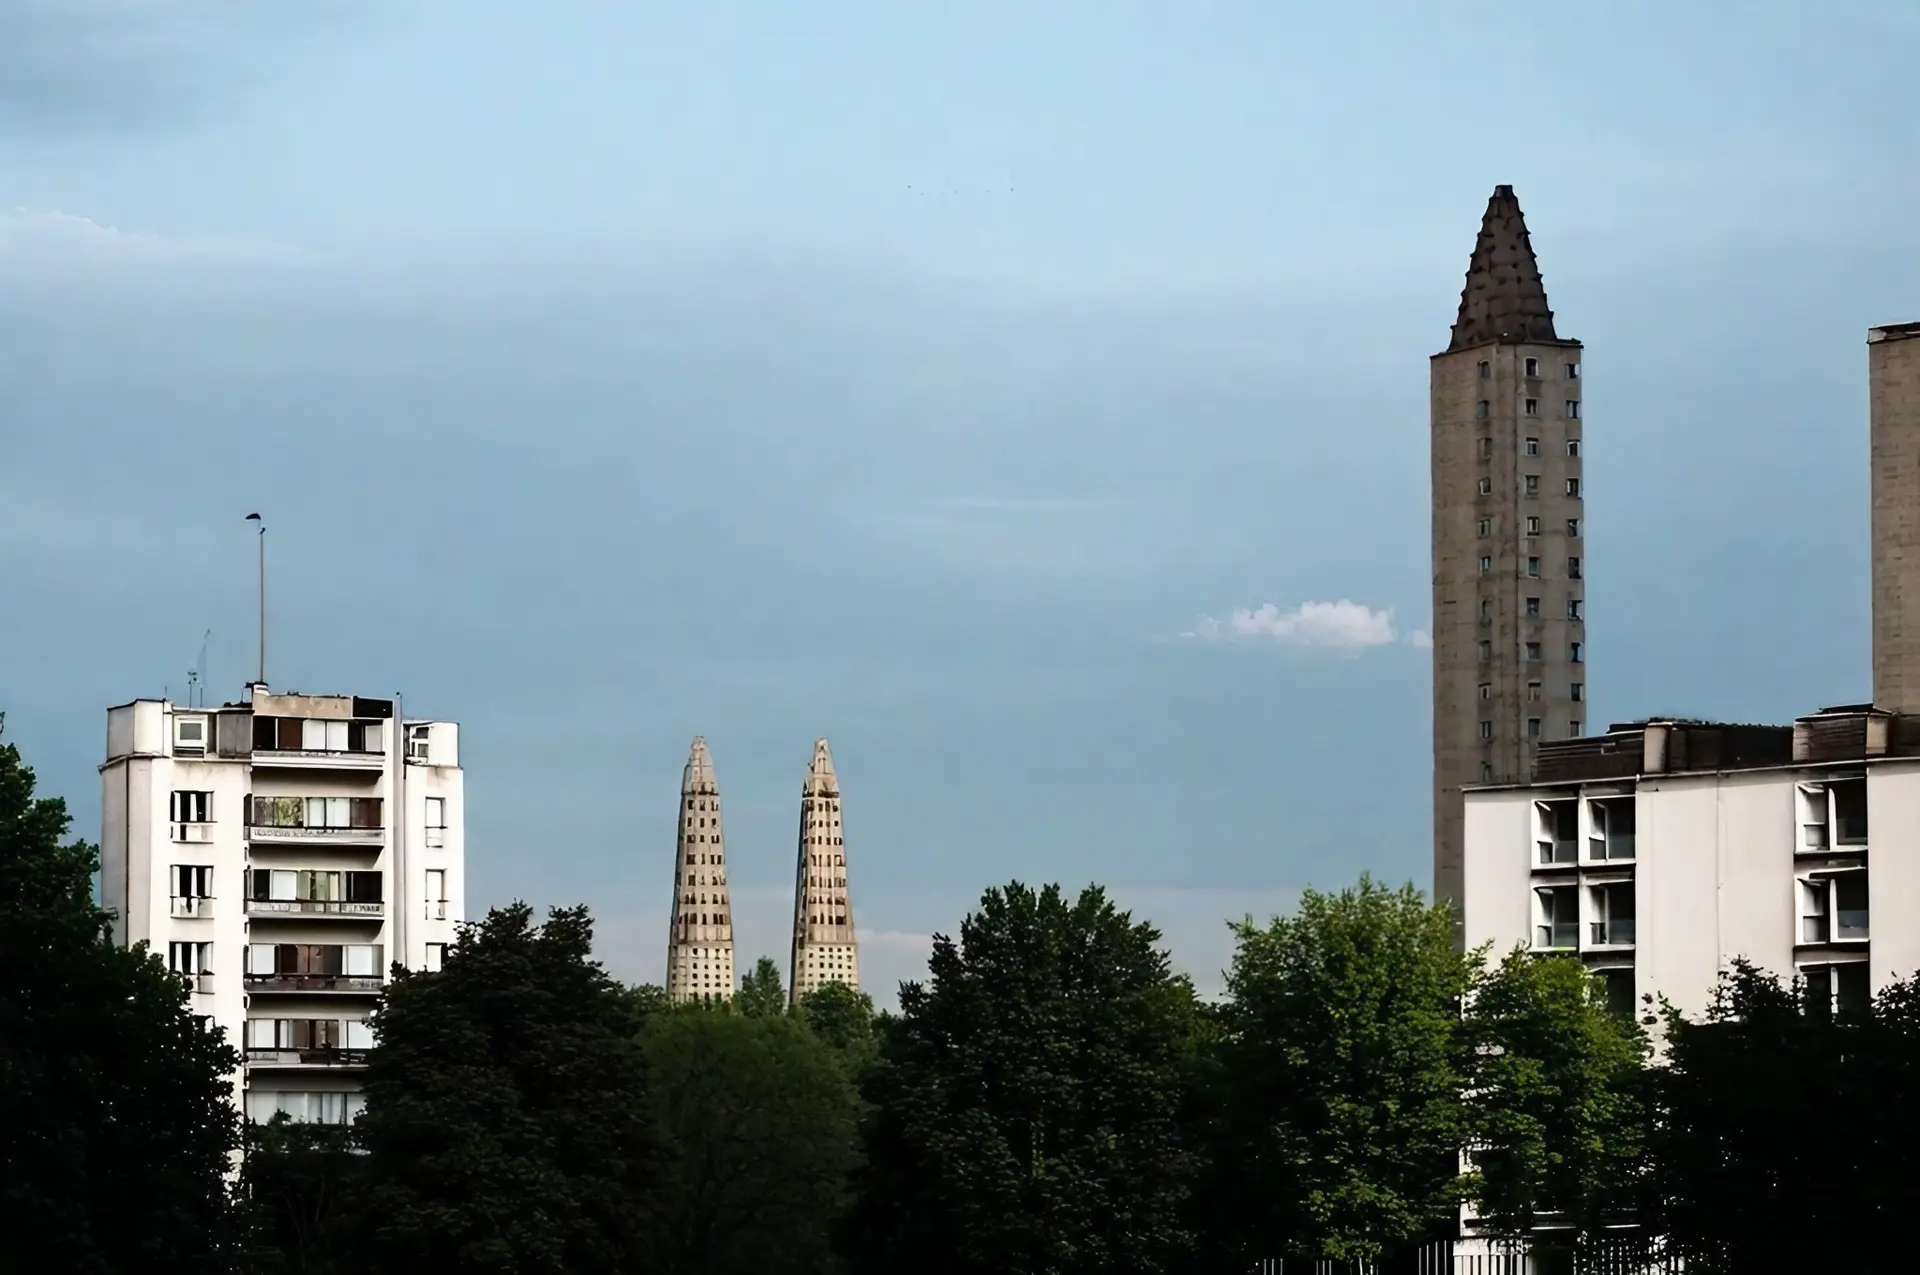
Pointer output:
x,y
45,237
1343,626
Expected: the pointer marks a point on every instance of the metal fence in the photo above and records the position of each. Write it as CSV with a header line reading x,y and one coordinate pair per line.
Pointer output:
x,y
1483,1257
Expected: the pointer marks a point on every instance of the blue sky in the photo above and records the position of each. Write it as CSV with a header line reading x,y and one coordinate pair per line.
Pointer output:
x,y
917,376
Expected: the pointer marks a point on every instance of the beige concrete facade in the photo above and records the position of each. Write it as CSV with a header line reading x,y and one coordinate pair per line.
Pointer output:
x,y
1893,394
824,948
1509,533
700,936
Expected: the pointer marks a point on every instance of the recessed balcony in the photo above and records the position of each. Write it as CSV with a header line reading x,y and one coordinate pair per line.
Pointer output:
x,y
317,759
1616,933
304,909
316,984
314,1059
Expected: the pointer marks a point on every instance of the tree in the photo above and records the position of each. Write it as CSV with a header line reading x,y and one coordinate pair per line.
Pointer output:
x,y
759,1120
842,1017
1027,1102
117,1117
1557,1113
297,1181
1337,1112
508,1121
762,994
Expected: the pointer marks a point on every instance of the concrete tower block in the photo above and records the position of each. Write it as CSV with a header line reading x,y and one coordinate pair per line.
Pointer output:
x,y
1893,399
700,935
1509,532
824,950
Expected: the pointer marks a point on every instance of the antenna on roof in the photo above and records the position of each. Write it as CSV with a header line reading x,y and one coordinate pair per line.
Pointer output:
x,y
197,675
261,680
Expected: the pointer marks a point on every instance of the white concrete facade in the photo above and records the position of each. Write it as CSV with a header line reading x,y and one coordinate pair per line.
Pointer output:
x,y
1663,851
700,933
282,853
824,948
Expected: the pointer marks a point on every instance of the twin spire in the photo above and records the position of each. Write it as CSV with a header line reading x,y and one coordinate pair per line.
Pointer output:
x,y
1504,299
700,964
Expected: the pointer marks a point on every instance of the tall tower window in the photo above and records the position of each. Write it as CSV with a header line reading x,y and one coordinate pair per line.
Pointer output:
x,y
1533,447
1533,407
1533,367
1482,409
1486,449
1573,409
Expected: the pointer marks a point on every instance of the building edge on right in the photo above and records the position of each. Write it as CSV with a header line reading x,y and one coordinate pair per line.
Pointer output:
x,y
1893,407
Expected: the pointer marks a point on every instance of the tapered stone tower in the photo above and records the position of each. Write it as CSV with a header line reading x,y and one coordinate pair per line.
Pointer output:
x,y
1509,532
824,950
700,941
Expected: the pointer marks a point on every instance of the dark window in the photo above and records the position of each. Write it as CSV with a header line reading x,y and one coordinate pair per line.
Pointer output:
x,y
1533,608
1486,370
1533,367
364,887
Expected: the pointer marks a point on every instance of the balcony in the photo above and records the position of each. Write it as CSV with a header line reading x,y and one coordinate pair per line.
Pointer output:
x,y
1850,830
1615,845
269,834
304,908
189,907
1556,935
318,759
436,909
196,834
1617,933
315,984
307,1058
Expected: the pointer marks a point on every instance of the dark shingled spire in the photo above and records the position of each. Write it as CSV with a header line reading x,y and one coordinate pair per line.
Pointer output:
x,y
1505,298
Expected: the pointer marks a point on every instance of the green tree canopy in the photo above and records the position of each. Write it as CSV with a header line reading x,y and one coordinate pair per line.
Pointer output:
x,y
1338,1116
1557,1102
1028,1100
759,1120
116,1101
763,993
843,1018
508,1122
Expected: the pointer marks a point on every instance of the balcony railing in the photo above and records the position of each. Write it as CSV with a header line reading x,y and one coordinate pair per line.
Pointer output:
x,y
307,1057
1611,933
319,758
1813,838
1813,929
1557,934
198,984
313,907
191,906
341,836
314,982
1558,851
436,909
1619,845
1850,923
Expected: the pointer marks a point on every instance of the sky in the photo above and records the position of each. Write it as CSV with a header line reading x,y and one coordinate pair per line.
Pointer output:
x,y
1028,397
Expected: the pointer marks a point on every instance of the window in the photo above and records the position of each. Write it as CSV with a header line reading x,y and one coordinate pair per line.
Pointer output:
x,y
1486,370
436,822
1573,409
1486,564
1486,651
1486,610
1486,527
1573,568
1573,729
1482,408
190,736
1575,653
1573,448
1533,447
436,885
1573,609
192,881
1533,526
419,743
1533,484
1486,449
1573,486
1533,407
1533,567
191,807
1573,528
1573,371
1578,691
319,813
1486,730
1486,690
436,957
1533,692
1486,772
1486,486
1533,367
1533,608
1533,728
190,958
1533,652
1557,917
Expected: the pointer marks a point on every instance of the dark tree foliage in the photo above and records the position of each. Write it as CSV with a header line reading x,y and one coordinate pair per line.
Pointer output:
x,y
297,1183
1337,1108
760,1123
116,1101
1785,1138
762,994
843,1018
1557,1112
1027,1103
508,1123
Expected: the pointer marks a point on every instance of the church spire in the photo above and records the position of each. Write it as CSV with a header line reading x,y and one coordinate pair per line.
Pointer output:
x,y
700,935
824,948
1504,299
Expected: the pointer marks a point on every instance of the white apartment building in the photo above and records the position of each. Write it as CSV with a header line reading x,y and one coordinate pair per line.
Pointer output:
x,y
1662,850
283,853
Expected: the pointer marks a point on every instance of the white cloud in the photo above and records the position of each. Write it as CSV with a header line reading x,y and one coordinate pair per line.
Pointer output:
x,y
1343,626
42,237
1420,638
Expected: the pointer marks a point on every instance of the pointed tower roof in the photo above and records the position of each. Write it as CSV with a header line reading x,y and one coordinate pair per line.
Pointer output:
x,y
698,776
821,781
1504,299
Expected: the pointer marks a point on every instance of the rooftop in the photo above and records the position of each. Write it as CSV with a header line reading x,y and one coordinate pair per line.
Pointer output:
x,y
1505,299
